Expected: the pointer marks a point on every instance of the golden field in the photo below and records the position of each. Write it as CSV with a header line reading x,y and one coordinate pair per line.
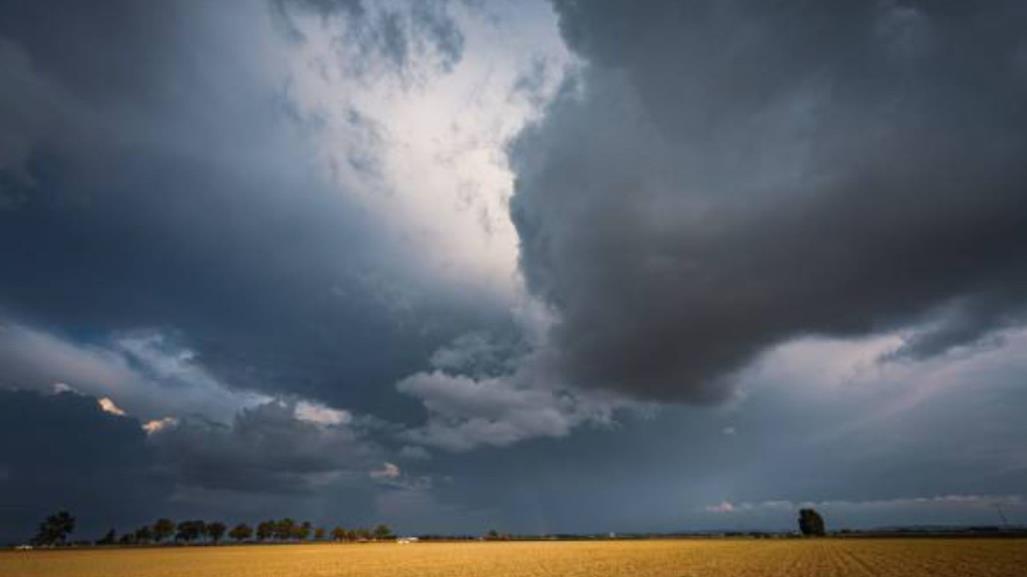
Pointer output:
x,y
665,558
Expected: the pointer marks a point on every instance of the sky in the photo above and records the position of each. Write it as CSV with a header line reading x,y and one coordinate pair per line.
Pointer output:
x,y
537,266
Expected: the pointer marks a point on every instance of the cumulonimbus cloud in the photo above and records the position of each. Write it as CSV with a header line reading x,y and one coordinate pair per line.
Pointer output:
x,y
724,177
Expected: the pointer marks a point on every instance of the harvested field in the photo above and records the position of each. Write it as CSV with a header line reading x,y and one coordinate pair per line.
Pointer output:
x,y
666,558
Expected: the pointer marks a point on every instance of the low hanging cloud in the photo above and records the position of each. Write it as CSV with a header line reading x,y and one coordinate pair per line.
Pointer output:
x,y
270,448
491,403
722,178
464,412
954,501
843,513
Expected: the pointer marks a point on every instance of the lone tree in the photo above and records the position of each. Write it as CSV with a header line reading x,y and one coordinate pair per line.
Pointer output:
x,y
319,534
811,523
241,532
163,529
216,531
54,530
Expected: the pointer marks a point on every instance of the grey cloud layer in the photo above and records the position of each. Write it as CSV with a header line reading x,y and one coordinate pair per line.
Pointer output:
x,y
727,176
168,240
64,450
155,177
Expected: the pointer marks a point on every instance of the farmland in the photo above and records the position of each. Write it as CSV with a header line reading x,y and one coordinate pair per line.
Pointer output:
x,y
663,558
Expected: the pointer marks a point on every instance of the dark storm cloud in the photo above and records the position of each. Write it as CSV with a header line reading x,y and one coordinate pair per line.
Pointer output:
x,y
728,176
155,178
266,449
802,435
63,451
169,238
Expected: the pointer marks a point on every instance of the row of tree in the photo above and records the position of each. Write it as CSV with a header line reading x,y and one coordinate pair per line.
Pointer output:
x,y
56,528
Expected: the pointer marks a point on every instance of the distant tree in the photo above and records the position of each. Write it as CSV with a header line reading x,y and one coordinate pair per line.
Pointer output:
x,y
54,530
163,529
302,531
492,535
360,534
340,534
266,530
285,529
190,531
127,539
241,532
319,534
216,530
382,532
109,538
811,523
143,535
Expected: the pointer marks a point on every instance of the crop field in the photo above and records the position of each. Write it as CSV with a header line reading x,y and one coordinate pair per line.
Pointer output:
x,y
668,558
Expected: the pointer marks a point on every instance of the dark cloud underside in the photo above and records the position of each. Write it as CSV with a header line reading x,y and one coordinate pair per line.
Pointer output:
x,y
737,174
62,451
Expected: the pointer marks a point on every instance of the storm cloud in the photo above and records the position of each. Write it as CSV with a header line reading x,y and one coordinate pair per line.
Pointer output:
x,y
725,177
65,451
460,265
158,174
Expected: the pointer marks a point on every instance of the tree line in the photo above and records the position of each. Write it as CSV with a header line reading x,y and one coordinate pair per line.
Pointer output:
x,y
56,528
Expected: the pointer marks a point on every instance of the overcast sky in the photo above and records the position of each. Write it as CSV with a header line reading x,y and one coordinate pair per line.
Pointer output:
x,y
536,266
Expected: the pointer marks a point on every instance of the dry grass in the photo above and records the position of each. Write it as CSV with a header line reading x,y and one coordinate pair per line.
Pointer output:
x,y
671,558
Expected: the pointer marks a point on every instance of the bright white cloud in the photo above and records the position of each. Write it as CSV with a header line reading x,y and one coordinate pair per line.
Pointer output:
x,y
108,406
320,414
466,412
722,507
157,425
422,145
388,471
